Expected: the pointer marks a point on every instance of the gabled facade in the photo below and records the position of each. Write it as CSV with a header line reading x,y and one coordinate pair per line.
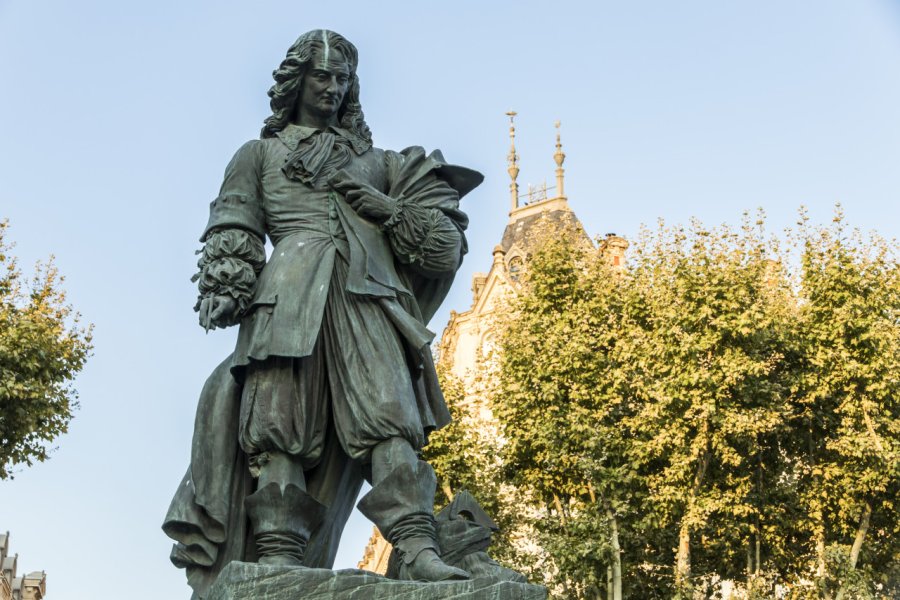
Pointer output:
x,y
32,586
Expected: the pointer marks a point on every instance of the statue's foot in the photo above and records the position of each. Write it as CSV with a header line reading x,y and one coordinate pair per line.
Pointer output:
x,y
428,566
280,560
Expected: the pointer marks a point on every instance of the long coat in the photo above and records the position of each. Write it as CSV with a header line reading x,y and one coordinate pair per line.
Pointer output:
x,y
207,516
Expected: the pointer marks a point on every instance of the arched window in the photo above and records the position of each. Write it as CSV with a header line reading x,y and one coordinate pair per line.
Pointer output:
x,y
487,345
515,267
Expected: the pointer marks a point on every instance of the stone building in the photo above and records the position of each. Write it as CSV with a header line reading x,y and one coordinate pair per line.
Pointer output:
x,y
469,337
32,586
376,555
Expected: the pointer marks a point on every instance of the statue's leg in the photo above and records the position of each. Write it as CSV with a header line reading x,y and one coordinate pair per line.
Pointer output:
x,y
282,416
377,420
279,467
401,504
282,513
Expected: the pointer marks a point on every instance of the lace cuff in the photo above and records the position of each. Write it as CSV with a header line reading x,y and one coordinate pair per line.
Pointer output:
x,y
396,214
228,266
424,238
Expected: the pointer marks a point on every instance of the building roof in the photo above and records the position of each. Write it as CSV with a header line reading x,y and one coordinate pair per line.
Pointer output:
x,y
522,221
9,563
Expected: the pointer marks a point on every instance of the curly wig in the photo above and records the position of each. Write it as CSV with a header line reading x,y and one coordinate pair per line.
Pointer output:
x,y
289,78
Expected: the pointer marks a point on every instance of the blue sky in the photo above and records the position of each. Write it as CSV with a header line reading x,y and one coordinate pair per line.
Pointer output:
x,y
117,120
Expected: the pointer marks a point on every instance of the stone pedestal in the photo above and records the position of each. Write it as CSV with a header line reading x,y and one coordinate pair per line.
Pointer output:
x,y
251,581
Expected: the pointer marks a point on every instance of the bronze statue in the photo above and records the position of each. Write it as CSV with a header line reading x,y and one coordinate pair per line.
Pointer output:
x,y
331,380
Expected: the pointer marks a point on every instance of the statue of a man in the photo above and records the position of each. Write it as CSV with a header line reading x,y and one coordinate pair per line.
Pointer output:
x,y
331,379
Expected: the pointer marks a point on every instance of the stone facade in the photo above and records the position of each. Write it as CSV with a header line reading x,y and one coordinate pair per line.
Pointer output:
x,y
469,336
32,586
376,555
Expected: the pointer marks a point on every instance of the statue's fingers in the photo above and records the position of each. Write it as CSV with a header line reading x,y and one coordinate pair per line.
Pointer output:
x,y
203,310
217,312
224,307
342,181
354,198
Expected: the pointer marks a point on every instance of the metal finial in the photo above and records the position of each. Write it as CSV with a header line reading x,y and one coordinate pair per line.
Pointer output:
x,y
560,157
513,161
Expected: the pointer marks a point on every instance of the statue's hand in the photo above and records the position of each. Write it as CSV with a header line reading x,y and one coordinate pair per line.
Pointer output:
x,y
217,311
368,202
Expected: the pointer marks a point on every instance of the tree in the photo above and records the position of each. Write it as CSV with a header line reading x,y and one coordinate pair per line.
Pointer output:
x,y
560,406
640,404
42,348
704,361
846,407
713,410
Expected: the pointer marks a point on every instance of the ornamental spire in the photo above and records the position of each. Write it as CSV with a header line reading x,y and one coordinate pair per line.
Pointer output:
x,y
559,157
513,161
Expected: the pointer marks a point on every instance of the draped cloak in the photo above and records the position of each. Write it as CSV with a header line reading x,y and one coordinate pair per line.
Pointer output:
x,y
207,518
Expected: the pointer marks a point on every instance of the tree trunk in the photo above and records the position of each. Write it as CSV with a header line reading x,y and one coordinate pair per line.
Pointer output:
x,y
857,544
860,534
559,509
447,491
617,555
759,493
820,551
758,544
749,559
818,517
609,583
683,559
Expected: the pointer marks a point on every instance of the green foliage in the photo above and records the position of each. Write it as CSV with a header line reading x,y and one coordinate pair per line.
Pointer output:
x,y
703,349
465,455
846,409
721,408
42,348
450,451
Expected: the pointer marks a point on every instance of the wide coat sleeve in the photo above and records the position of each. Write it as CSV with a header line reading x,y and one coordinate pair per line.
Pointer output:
x,y
234,252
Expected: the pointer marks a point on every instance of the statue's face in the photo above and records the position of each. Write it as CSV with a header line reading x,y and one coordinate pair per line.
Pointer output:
x,y
325,84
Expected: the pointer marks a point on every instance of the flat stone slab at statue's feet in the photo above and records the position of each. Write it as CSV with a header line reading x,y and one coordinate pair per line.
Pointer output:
x,y
251,581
